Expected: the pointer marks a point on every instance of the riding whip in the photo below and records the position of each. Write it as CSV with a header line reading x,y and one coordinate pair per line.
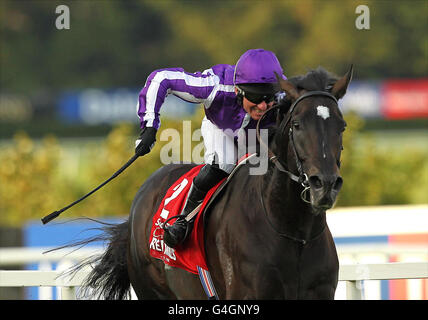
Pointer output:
x,y
55,214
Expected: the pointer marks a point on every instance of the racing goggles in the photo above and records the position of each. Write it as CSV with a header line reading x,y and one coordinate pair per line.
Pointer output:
x,y
257,98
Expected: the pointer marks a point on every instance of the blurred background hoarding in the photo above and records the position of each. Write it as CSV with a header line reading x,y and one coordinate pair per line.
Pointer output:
x,y
382,100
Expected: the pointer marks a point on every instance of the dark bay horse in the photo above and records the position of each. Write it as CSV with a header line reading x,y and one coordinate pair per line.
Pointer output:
x,y
266,236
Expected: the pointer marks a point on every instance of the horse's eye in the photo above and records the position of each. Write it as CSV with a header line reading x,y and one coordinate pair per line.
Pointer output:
x,y
296,124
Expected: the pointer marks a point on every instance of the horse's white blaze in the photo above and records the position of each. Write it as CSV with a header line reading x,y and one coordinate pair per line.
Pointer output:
x,y
323,112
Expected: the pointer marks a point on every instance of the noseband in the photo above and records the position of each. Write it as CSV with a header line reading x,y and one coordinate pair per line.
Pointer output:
x,y
303,177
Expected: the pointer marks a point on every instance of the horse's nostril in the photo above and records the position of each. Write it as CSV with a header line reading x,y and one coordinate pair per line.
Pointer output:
x,y
338,183
315,181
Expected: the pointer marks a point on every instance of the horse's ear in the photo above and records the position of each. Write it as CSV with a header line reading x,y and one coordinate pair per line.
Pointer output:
x,y
340,87
288,87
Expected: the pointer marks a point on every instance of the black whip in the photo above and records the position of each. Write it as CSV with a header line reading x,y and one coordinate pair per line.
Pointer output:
x,y
55,214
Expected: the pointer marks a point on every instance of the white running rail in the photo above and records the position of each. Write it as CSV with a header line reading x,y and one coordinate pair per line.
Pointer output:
x,y
353,275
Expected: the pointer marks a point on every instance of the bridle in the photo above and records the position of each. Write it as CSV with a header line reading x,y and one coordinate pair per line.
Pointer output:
x,y
303,177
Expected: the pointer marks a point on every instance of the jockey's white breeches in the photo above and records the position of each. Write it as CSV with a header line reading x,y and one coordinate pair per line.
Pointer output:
x,y
219,146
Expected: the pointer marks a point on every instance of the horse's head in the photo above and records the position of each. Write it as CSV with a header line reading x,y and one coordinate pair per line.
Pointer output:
x,y
309,138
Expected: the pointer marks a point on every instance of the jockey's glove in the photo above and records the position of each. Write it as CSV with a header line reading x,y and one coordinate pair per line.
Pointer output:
x,y
146,141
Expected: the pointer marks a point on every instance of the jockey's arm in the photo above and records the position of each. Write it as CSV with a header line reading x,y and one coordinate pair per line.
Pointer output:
x,y
192,87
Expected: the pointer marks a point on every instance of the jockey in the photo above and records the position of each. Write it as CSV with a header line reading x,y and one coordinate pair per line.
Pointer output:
x,y
234,98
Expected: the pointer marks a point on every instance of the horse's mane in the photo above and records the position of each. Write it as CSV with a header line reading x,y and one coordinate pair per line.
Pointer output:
x,y
317,79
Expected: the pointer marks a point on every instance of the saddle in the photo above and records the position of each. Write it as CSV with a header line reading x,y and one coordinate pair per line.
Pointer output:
x,y
190,255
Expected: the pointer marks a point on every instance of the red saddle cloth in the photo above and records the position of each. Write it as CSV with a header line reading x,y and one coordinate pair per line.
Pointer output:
x,y
191,253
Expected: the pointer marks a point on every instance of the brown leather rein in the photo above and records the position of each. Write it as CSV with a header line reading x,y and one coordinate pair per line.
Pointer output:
x,y
302,178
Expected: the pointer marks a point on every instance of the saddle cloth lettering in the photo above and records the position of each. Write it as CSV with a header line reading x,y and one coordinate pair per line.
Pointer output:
x,y
191,253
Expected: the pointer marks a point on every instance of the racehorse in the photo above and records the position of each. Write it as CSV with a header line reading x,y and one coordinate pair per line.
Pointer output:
x,y
267,235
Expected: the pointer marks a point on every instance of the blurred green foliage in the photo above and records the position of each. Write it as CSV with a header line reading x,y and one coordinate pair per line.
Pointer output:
x,y
38,179
35,182
118,43
378,176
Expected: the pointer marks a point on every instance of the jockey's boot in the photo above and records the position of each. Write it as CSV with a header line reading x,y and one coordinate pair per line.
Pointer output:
x,y
207,178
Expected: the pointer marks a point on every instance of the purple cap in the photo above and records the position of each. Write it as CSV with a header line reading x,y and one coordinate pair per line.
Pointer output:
x,y
257,66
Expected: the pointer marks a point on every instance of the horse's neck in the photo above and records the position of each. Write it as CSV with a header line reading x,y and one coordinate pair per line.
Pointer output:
x,y
285,208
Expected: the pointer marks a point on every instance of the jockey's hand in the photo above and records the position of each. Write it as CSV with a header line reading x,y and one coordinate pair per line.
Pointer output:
x,y
146,141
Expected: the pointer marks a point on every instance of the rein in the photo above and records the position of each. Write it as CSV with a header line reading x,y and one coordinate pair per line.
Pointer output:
x,y
303,177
